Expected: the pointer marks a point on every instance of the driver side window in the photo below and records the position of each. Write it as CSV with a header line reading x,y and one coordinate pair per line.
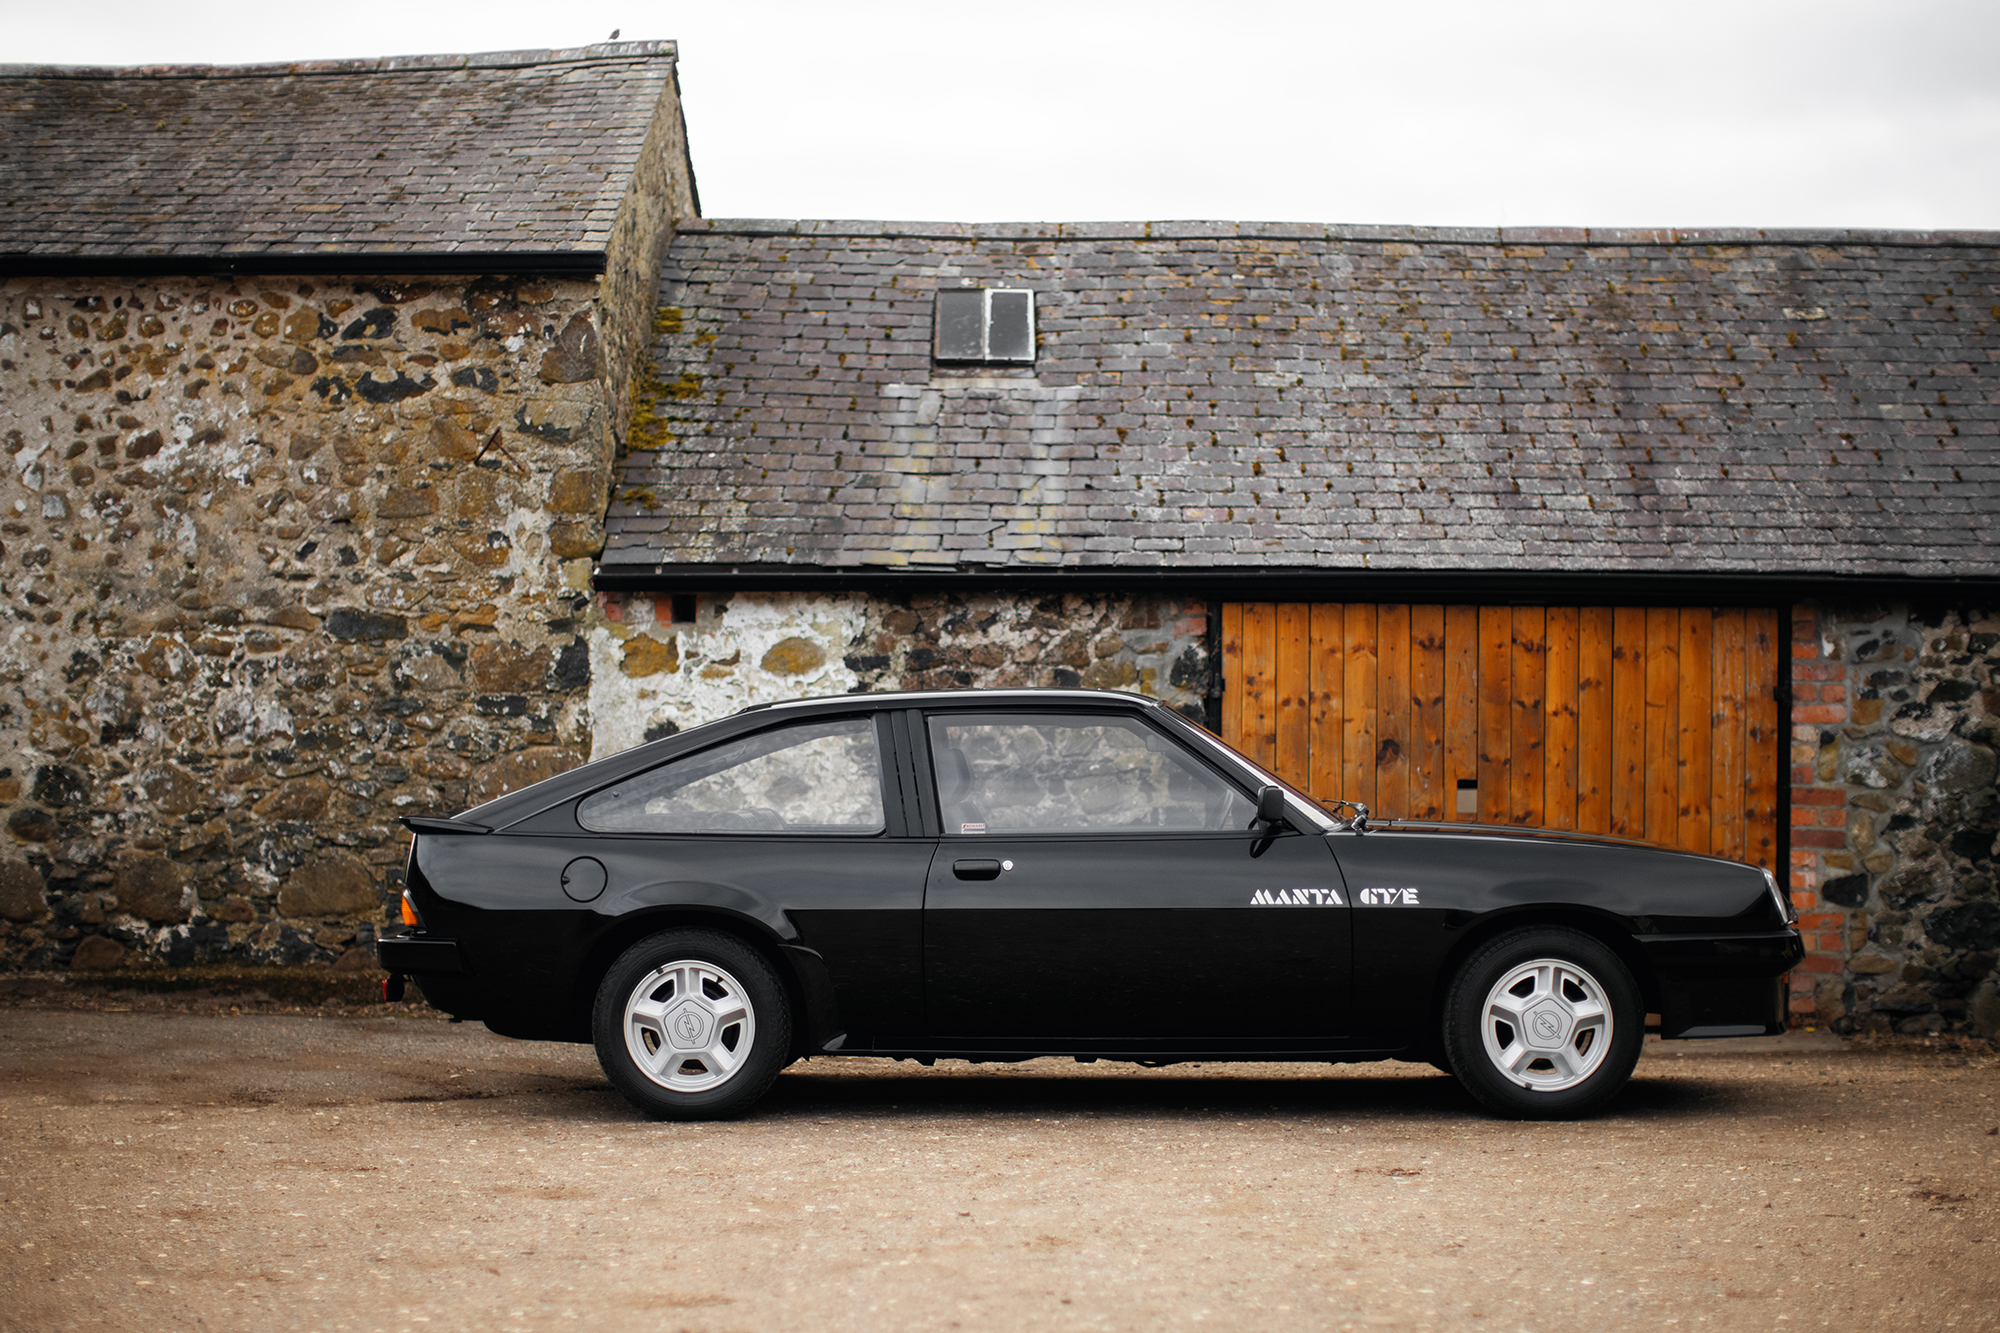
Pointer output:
x,y
814,777
1073,774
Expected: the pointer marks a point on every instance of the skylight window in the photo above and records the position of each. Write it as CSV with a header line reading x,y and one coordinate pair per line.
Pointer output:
x,y
985,325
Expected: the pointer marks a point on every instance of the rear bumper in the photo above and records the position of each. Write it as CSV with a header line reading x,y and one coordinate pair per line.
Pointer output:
x,y
1722,985
418,954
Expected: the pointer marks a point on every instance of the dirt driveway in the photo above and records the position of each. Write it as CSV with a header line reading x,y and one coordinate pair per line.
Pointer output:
x,y
257,1171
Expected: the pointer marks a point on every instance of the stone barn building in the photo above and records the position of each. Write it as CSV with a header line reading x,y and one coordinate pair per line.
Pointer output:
x,y
311,379
1688,537
442,445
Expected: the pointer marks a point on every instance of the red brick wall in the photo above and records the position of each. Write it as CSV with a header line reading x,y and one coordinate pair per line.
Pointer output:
x,y
1819,812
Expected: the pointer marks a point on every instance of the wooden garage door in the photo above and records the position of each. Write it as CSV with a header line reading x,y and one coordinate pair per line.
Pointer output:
x,y
1658,723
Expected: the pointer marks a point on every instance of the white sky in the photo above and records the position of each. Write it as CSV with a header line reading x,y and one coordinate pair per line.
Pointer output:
x,y
1768,113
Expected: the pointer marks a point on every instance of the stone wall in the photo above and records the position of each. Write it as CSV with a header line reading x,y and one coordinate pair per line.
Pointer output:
x,y
1895,811
651,676
283,559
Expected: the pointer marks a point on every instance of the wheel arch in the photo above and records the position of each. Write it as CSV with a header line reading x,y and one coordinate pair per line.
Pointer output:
x,y
1606,928
786,961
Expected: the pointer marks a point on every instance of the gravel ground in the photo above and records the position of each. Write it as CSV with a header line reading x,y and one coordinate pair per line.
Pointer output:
x,y
178,1165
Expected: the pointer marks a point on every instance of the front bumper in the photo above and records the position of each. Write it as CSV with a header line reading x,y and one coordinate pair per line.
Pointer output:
x,y
1723,985
409,954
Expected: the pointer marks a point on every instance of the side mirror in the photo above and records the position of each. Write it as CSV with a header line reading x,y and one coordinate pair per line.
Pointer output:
x,y
1271,805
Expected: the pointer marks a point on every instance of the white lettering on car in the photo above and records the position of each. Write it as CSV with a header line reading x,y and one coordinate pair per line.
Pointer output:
x,y
1387,897
1302,897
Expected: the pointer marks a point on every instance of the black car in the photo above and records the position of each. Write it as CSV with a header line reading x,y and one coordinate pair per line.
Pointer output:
x,y
1003,874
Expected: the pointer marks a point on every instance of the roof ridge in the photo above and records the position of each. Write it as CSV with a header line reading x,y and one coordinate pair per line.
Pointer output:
x,y
1180,230
577,55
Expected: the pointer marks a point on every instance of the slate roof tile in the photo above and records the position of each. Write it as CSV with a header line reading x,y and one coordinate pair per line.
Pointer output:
x,y
504,152
1211,396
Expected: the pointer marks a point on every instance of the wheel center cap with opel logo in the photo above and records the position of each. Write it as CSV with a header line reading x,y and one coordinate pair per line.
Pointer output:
x,y
1545,1025
688,1026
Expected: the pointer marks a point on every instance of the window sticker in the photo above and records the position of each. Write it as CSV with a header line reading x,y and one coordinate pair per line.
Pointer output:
x,y
972,828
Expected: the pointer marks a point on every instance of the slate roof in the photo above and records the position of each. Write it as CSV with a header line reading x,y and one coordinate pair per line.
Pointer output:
x,y
510,152
1237,396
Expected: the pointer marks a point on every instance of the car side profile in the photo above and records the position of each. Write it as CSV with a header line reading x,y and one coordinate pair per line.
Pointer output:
x,y
1005,874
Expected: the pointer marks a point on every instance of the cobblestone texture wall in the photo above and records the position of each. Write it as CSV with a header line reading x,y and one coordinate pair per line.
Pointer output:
x,y
652,676
282,559
1895,811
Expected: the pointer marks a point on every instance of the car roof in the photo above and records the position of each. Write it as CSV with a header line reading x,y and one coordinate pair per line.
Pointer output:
x,y
1009,694
517,805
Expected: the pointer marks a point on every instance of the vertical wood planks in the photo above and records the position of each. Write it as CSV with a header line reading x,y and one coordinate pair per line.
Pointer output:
x,y
1697,728
1763,748
1559,743
1528,662
1661,783
1392,698
1232,673
1659,723
1595,723
1726,820
1357,732
1628,722
1496,641
1461,704
1292,691
1430,792
1323,774
1259,738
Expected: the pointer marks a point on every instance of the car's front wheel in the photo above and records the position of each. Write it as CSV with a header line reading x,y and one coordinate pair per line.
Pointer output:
x,y
1544,1024
691,1025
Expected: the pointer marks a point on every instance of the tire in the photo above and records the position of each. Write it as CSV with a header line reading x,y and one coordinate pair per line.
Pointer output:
x,y
1544,1024
691,1025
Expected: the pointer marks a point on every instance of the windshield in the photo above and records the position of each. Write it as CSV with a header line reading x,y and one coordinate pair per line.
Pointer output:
x,y
1203,735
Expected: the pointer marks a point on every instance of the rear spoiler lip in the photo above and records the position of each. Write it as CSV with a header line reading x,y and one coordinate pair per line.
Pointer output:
x,y
438,824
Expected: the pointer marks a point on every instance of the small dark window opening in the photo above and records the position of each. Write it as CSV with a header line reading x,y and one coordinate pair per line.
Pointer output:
x,y
683,608
990,325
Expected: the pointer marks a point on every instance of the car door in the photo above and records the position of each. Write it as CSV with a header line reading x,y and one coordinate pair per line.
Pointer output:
x,y
1097,881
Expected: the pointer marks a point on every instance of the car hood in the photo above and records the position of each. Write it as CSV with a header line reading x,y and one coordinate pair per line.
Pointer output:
x,y
1516,832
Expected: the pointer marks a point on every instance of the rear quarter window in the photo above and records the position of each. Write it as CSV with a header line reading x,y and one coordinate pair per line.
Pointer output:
x,y
810,777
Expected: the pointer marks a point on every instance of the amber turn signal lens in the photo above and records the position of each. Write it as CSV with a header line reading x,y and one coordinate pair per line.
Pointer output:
x,y
409,912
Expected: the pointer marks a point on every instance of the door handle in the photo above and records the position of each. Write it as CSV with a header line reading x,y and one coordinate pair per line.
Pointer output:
x,y
976,869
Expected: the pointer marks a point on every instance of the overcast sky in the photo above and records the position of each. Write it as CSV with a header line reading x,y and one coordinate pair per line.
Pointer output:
x,y
1769,113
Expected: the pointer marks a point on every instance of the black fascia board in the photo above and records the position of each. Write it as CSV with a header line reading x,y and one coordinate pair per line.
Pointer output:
x,y
1484,586
341,263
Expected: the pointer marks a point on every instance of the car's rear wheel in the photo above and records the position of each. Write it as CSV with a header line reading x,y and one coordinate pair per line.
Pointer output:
x,y
1543,1024
691,1025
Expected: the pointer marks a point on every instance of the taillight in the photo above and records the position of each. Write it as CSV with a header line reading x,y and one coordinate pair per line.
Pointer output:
x,y
410,917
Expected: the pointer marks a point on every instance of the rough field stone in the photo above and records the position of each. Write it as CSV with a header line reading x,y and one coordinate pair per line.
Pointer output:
x,y
498,668
1960,767
151,886
644,655
98,954
574,358
304,798
31,825
1969,926
511,772
794,657
334,883
364,625
21,891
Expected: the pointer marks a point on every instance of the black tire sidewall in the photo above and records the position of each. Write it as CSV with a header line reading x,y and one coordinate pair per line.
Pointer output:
x,y
770,1045
1466,1049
